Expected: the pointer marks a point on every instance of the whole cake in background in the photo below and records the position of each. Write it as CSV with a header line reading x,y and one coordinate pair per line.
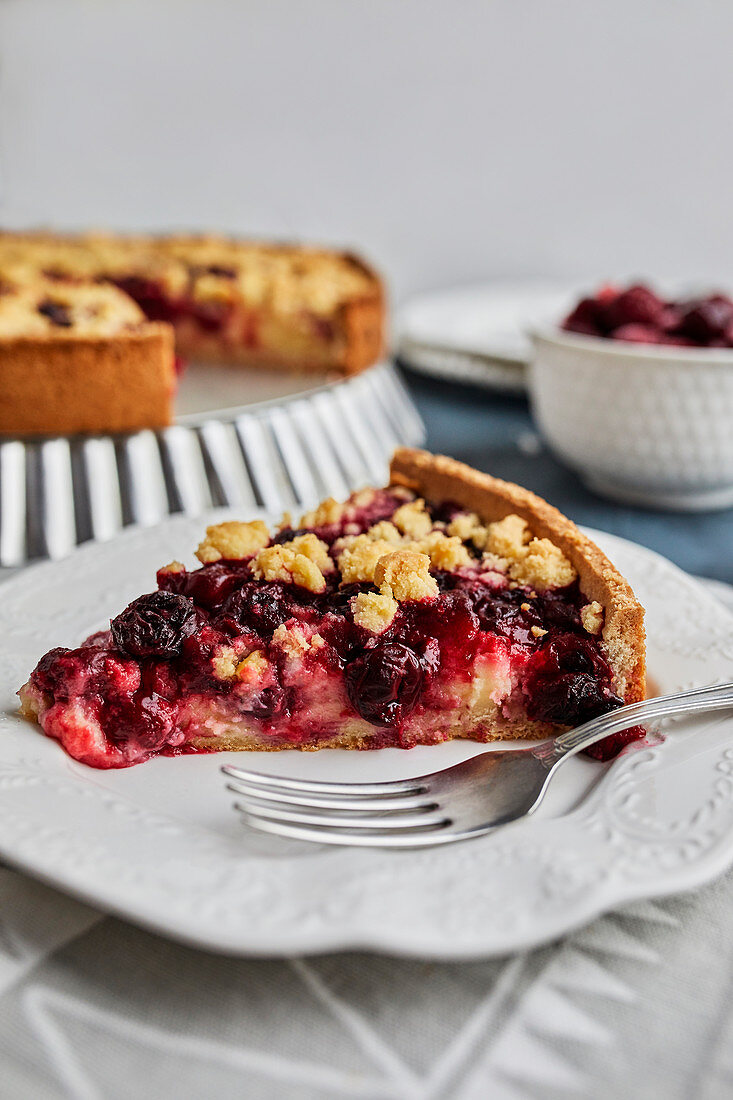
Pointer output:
x,y
89,323
638,315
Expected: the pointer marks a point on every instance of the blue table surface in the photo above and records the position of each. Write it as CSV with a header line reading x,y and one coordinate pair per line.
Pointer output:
x,y
496,434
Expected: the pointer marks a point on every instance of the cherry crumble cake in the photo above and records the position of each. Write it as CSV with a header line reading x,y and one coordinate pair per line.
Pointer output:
x,y
226,301
449,604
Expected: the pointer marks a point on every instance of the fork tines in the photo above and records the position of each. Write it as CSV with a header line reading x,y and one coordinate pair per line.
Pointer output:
x,y
356,813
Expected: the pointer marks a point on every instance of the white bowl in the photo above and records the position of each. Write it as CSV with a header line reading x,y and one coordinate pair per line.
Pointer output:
x,y
642,423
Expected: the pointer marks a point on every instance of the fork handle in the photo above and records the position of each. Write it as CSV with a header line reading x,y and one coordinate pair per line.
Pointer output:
x,y
716,697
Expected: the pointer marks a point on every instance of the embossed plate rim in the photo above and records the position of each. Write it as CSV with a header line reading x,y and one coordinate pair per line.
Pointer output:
x,y
528,884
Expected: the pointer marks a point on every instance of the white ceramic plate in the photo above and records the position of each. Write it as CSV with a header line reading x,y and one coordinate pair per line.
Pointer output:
x,y
476,334
160,845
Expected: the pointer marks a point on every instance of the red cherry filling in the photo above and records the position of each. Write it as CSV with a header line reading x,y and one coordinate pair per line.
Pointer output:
x,y
208,586
568,681
152,299
148,680
638,315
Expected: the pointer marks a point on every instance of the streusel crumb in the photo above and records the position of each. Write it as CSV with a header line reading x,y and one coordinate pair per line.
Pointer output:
x,y
314,548
374,611
358,560
412,519
328,511
543,565
233,541
225,663
538,631
508,537
445,551
468,528
592,616
279,563
173,567
407,574
385,532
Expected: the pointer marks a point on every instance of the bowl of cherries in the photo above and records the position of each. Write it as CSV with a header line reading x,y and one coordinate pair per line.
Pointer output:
x,y
635,391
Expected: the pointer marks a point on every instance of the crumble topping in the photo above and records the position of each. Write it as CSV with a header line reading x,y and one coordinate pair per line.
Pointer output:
x,y
374,611
444,551
508,537
407,575
225,663
384,531
328,511
542,565
172,567
468,528
233,541
359,559
279,563
413,519
313,548
591,617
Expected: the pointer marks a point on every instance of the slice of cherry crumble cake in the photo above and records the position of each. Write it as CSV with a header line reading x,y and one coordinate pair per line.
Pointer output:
x,y
449,604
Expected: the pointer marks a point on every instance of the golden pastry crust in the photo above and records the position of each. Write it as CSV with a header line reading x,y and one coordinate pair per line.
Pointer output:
x,y
56,385
438,478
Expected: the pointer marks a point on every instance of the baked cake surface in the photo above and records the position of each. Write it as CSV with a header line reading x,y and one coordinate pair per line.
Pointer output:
x,y
228,301
449,604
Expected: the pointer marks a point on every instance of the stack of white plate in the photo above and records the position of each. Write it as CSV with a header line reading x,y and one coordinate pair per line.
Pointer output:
x,y
476,334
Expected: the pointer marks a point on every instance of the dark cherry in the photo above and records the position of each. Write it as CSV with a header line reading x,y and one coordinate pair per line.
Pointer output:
x,y
266,704
45,675
154,625
568,653
256,608
501,612
289,533
638,305
57,312
151,298
568,681
208,586
445,511
587,318
560,609
570,699
338,600
221,272
384,682
638,315
708,319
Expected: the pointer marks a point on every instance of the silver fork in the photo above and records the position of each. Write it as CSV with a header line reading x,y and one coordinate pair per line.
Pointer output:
x,y
459,802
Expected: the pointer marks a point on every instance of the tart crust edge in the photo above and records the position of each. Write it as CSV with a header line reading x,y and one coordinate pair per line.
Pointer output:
x,y
437,477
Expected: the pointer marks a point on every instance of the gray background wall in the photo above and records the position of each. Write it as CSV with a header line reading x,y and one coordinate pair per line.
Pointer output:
x,y
449,140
